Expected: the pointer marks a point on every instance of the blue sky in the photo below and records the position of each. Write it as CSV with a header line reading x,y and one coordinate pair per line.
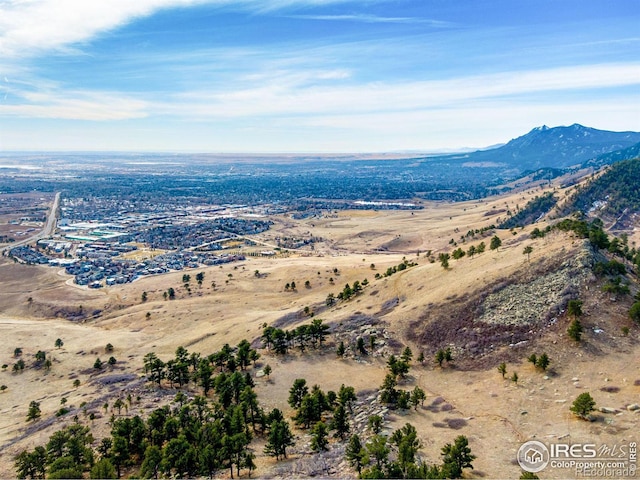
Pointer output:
x,y
311,75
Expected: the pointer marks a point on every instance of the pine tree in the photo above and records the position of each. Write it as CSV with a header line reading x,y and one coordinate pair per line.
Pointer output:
x,y
34,411
355,453
340,422
583,405
297,392
440,355
456,457
417,397
103,468
375,424
279,438
543,362
575,330
360,346
319,440
495,243
407,355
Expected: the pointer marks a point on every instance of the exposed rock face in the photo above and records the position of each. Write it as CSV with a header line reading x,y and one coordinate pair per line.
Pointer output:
x,y
508,312
526,303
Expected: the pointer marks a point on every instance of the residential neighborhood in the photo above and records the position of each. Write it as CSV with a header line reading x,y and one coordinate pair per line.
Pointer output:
x,y
99,253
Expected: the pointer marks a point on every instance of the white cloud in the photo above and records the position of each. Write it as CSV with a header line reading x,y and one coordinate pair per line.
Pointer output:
x,y
366,18
319,94
293,94
33,26
75,105
476,124
29,26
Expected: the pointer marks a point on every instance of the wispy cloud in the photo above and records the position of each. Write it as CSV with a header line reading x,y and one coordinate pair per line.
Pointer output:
x,y
314,93
366,18
73,105
475,124
292,96
364,72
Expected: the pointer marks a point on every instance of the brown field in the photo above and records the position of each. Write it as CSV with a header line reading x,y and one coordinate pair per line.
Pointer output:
x,y
40,304
23,211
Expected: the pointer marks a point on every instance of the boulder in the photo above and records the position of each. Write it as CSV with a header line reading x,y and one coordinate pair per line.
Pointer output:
x,y
609,410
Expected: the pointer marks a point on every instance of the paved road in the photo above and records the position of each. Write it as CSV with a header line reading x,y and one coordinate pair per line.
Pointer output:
x,y
47,230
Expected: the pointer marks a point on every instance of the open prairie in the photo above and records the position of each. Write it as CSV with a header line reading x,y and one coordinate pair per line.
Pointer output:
x,y
235,302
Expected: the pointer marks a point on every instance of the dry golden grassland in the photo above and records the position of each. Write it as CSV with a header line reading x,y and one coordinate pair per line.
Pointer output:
x,y
496,415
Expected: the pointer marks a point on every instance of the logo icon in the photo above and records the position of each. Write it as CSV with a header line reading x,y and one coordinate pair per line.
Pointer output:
x,y
533,456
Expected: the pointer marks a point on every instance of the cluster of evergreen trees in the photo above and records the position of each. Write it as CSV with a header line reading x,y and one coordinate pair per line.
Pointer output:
x,y
458,253
322,411
197,436
532,211
613,269
618,185
280,341
583,229
599,239
185,368
398,369
477,231
192,437
396,456
67,454
351,291
396,268
41,360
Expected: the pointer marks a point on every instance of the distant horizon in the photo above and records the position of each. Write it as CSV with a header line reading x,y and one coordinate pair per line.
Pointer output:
x,y
452,151
317,76
365,154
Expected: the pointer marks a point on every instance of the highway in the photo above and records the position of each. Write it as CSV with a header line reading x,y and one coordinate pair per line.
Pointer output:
x,y
47,230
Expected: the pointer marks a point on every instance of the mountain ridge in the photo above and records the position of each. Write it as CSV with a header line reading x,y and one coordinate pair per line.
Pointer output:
x,y
615,156
559,147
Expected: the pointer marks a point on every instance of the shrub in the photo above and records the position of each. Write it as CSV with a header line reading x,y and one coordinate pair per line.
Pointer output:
x,y
583,405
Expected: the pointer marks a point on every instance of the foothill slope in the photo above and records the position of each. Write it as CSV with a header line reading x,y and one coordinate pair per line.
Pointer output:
x,y
475,306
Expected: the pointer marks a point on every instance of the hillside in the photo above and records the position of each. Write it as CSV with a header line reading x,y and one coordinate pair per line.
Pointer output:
x,y
611,195
616,156
533,211
496,306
